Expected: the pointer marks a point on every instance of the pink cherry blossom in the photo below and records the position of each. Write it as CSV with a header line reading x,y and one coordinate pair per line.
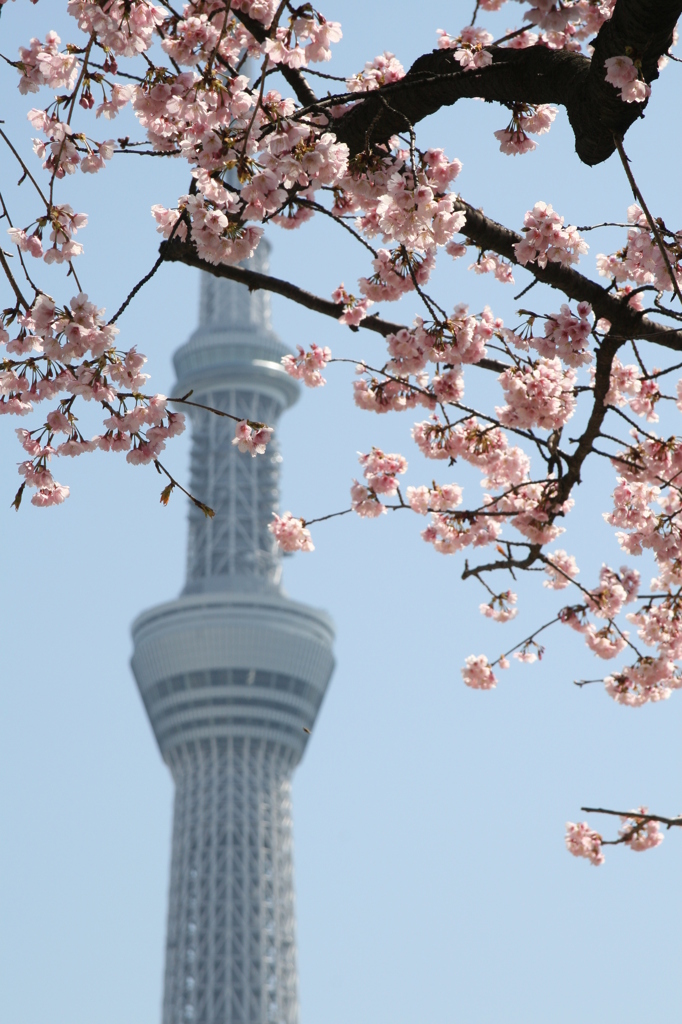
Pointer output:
x,y
547,240
566,336
365,502
451,533
439,498
582,841
354,310
253,441
381,470
500,607
306,366
641,260
382,70
478,673
640,835
291,533
622,73
561,568
541,396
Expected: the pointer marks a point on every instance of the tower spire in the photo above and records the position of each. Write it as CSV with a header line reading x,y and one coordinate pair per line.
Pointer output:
x,y
232,675
232,362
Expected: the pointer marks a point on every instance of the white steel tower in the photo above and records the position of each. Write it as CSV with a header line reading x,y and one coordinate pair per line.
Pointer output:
x,y
232,674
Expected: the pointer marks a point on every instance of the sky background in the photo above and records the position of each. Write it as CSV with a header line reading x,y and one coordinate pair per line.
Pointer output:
x,y
433,886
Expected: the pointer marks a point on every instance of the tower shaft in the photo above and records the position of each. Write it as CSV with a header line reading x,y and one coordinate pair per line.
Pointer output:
x,y
231,952
232,675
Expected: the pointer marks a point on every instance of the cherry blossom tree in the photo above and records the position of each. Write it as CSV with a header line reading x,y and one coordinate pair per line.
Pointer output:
x,y
233,87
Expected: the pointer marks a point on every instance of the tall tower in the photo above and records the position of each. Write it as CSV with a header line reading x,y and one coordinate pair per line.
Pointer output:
x,y
232,673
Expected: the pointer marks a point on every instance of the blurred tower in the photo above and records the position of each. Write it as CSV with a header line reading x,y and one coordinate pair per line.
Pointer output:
x,y
230,674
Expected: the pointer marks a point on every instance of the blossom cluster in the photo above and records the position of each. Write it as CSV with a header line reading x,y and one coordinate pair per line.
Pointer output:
x,y
641,260
380,470
469,47
622,73
543,395
291,533
307,366
525,121
636,832
582,841
63,224
252,438
72,352
547,240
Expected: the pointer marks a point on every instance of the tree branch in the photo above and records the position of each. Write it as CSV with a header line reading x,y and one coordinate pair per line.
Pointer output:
x,y
487,234
641,28
625,321
176,251
670,822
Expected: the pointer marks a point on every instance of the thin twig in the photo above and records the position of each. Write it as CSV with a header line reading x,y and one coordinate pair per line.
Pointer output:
x,y
652,223
604,224
527,642
209,408
133,292
5,213
339,220
332,515
514,34
526,289
167,491
10,277
25,169
670,822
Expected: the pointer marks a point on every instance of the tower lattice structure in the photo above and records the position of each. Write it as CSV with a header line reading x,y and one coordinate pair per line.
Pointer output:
x,y
232,673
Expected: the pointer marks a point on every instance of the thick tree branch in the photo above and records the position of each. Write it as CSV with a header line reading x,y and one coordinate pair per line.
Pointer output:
x,y
484,232
626,322
176,251
641,29
602,381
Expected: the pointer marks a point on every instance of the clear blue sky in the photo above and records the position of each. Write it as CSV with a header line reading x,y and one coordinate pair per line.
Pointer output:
x,y
432,882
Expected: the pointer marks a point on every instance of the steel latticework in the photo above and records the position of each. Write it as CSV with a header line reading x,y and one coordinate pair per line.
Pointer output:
x,y
232,674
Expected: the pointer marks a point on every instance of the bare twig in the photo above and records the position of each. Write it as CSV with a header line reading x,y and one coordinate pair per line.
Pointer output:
x,y
168,490
133,292
10,277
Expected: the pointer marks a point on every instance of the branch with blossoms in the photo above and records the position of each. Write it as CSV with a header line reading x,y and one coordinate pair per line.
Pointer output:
x,y
626,319
596,92
639,831
202,85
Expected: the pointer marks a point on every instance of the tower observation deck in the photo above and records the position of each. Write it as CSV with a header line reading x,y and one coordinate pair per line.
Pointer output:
x,y
231,674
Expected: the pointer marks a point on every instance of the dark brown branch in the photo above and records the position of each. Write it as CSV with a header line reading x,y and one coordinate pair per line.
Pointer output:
x,y
10,277
487,234
641,28
133,292
670,822
176,251
625,321
508,563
